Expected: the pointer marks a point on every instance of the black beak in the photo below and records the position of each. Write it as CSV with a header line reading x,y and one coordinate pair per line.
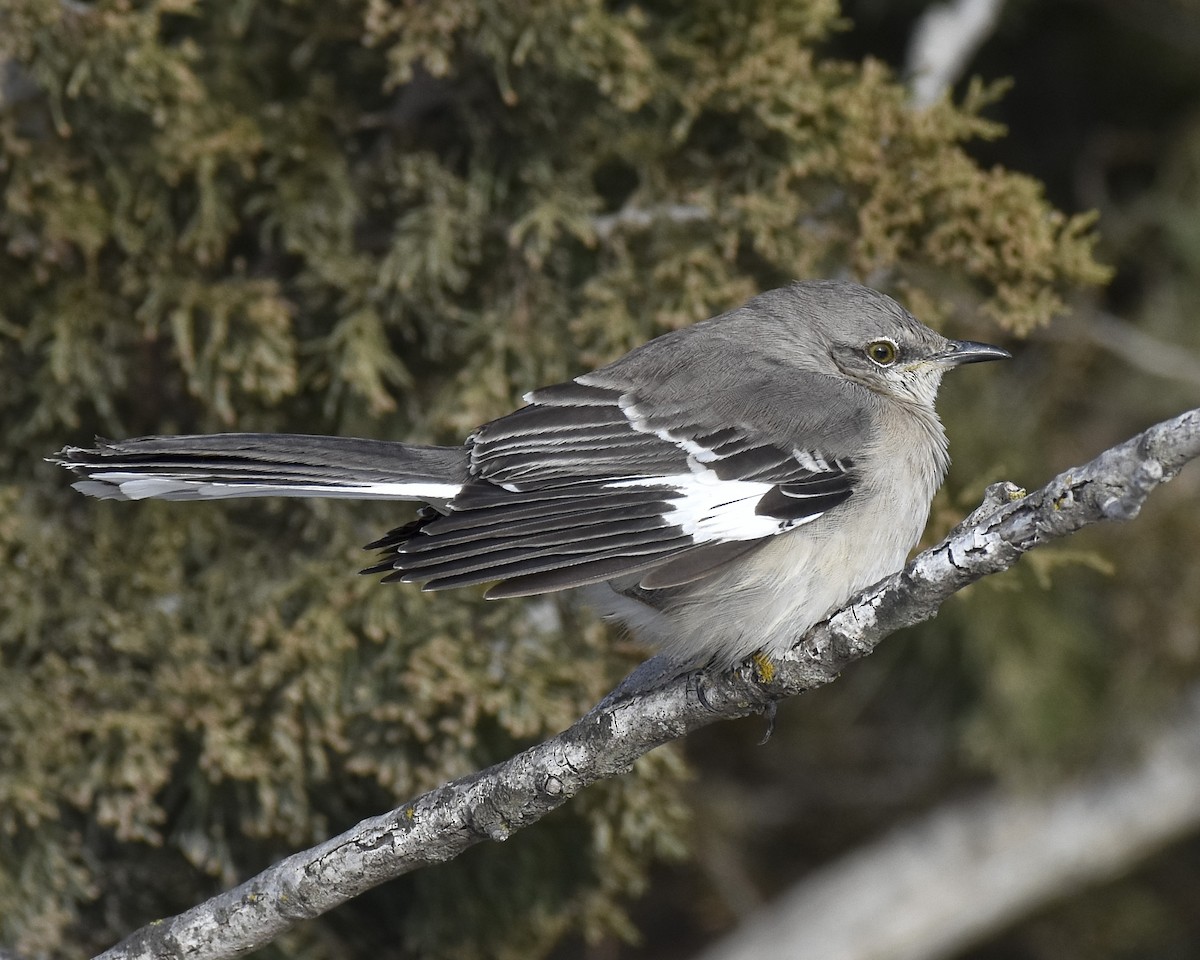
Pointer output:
x,y
968,351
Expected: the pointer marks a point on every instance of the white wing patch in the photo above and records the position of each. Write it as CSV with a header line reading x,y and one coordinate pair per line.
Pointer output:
x,y
710,509
811,460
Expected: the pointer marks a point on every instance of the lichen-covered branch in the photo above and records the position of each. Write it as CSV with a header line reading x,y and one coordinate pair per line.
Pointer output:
x,y
496,802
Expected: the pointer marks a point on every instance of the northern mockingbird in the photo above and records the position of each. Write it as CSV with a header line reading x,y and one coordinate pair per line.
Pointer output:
x,y
719,489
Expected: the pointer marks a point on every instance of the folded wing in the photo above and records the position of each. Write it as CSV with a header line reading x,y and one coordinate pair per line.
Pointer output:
x,y
586,484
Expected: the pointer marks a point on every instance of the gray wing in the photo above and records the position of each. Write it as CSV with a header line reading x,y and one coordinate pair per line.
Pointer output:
x,y
592,481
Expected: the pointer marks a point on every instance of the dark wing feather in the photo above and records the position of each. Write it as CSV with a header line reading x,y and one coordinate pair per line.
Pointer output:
x,y
486,539
695,564
571,568
798,501
595,570
551,442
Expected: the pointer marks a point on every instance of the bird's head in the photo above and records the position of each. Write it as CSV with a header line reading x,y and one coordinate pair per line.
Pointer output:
x,y
868,337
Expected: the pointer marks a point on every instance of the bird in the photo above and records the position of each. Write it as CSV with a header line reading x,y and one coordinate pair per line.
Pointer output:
x,y
719,489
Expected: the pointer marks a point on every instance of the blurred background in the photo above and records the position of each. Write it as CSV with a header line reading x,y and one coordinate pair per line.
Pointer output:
x,y
390,218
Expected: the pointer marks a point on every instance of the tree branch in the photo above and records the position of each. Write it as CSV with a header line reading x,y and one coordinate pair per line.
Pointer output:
x,y
494,803
1128,343
943,42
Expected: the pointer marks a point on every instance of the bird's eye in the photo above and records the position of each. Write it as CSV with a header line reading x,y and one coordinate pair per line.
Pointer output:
x,y
882,352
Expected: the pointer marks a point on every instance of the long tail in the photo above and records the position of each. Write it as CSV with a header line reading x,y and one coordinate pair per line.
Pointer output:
x,y
226,465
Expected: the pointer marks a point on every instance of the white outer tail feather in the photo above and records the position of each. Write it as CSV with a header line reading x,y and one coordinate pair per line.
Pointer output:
x,y
142,486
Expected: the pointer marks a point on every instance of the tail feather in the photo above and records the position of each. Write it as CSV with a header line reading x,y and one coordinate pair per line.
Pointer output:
x,y
225,465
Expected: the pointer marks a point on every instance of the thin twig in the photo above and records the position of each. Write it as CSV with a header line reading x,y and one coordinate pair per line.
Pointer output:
x,y
1130,344
642,217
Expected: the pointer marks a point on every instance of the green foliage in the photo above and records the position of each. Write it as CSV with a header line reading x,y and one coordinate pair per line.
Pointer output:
x,y
388,218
